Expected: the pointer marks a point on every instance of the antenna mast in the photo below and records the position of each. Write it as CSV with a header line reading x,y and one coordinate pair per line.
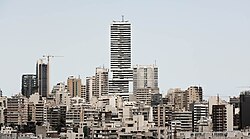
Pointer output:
x,y
122,18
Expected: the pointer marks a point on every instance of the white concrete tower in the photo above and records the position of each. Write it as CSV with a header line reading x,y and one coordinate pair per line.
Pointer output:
x,y
120,58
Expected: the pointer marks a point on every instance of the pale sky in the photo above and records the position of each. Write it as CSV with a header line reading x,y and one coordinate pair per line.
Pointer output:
x,y
194,42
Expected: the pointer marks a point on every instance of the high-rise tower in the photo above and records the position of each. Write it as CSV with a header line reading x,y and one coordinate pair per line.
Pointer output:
x,y
101,81
120,58
74,86
42,78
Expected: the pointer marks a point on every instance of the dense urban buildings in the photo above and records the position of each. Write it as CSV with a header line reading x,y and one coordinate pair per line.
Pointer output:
x,y
118,103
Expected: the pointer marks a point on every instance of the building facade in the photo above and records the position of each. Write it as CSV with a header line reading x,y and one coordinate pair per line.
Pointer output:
x,y
90,88
185,117
194,94
17,110
244,110
177,98
120,58
29,84
42,74
74,86
145,76
200,111
222,118
101,82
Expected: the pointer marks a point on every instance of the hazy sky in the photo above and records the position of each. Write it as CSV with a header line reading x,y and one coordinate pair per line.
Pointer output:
x,y
194,42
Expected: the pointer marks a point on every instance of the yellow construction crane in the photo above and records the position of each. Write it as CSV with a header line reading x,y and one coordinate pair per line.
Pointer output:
x,y
48,68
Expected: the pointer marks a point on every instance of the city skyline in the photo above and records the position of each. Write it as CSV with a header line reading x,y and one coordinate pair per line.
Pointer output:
x,y
190,48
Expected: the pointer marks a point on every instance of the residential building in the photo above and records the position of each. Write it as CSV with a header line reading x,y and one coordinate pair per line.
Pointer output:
x,y
214,100
194,94
185,117
162,115
90,88
83,92
56,117
31,112
145,76
144,95
59,87
17,110
235,101
177,98
101,82
199,110
222,118
74,86
3,106
39,112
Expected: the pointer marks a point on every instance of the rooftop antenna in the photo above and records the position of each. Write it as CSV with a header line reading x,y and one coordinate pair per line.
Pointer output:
x,y
122,18
155,62
218,99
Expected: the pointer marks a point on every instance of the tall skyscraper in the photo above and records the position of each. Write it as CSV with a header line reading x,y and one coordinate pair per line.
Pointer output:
x,y
42,78
29,84
74,86
120,58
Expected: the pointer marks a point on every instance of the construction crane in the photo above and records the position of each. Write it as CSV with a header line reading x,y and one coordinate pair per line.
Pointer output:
x,y
48,68
243,87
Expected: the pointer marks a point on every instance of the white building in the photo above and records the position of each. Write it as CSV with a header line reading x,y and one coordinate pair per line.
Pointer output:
x,y
90,88
120,58
145,76
199,110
